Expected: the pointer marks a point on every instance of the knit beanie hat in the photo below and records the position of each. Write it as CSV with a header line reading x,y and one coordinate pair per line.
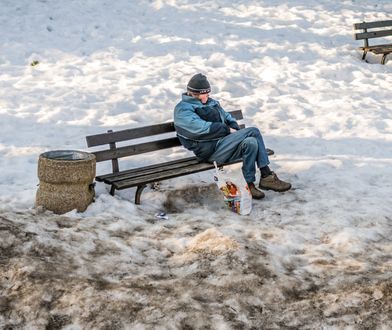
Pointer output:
x,y
199,84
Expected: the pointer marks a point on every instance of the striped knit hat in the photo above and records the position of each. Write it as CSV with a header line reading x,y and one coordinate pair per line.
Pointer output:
x,y
199,84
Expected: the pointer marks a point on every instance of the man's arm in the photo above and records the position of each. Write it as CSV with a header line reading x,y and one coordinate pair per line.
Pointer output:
x,y
230,120
189,125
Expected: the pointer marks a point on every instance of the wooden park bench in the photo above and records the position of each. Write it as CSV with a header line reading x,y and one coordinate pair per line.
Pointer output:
x,y
372,30
141,176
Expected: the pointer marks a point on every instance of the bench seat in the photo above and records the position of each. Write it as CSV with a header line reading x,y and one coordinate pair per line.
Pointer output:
x,y
378,49
140,177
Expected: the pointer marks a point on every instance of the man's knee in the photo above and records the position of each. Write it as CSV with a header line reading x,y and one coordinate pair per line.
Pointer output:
x,y
255,131
250,143
252,131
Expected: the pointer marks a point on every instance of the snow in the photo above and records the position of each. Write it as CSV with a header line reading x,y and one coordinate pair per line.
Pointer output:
x,y
316,257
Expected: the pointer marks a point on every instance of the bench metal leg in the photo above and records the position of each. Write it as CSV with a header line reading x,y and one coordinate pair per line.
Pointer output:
x,y
138,193
384,58
364,55
112,190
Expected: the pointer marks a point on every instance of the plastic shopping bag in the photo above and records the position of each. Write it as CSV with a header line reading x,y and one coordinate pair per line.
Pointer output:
x,y
236,194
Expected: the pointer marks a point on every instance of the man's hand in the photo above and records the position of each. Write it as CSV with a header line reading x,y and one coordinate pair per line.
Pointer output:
x,y
232,130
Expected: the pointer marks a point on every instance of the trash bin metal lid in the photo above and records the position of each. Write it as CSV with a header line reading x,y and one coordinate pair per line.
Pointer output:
x,y
67,155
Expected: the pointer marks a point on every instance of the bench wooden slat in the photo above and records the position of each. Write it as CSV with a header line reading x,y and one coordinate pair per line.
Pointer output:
x,y
375,47
156,171
136,149
372,25
129,134
237,114
382,50
169,174
112,177
139,132
373,34
162,176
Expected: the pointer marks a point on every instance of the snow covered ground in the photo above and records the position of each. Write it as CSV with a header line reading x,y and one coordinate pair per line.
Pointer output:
x,y
316,257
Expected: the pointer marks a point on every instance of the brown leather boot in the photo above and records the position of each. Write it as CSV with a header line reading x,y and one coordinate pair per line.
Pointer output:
x,y
256,193
272,182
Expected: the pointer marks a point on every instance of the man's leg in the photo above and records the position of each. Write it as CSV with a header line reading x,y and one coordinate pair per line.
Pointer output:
x,y
240,145
268,179
244,145
247,144
262,155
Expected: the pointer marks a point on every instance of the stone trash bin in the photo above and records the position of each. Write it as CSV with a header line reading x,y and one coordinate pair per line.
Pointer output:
x,y
66,180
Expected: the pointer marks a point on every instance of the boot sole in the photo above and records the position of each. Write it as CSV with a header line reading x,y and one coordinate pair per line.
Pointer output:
x,y
277,190
258,198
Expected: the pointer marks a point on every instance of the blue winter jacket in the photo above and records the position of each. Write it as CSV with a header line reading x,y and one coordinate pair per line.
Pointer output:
x,y
200,126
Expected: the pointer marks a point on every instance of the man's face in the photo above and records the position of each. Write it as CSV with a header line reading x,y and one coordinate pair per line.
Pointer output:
x,y
203,98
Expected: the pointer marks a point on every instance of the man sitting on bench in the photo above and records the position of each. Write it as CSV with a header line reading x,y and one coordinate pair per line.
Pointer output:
x,y
203,127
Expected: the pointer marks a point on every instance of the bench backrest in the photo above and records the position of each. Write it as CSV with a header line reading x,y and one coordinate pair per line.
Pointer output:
x,y
112,152
365,34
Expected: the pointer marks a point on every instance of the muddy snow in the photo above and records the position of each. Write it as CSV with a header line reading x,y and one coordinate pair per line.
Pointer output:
x,y
188,272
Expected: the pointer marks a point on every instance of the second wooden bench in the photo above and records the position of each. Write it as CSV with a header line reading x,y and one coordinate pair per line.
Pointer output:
x,y
371,30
